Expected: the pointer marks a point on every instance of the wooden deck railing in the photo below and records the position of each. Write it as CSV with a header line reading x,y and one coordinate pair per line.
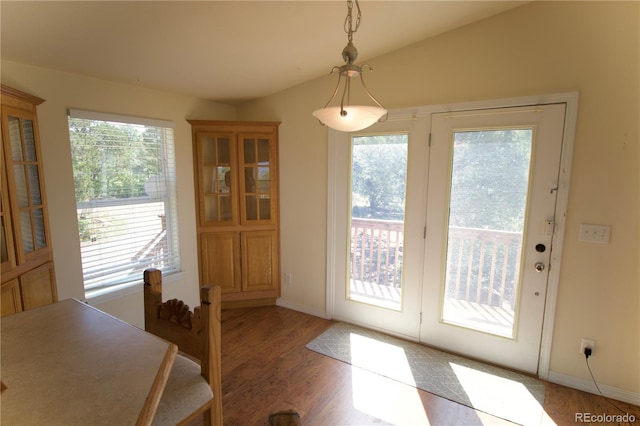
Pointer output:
x,y
376,251
482,265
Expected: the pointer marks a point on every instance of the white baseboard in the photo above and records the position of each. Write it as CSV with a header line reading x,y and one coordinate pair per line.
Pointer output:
x,y
589,386
301,308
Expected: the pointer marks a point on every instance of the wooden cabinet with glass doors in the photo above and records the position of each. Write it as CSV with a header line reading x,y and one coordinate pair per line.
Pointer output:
x,y
236,174
28,278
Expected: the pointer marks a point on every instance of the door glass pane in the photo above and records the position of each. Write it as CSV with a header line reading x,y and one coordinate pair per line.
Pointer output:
x,y
378,186
489,182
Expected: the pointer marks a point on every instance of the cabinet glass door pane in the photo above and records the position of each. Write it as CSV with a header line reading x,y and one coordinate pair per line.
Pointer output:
x,y
208,151
4,254
25,230
29,140
38,226
208,180
257,178
252,207
264,180
265,208
264,189
224,151
29,227
263,150
224,179
34,185
225,208
21,185
15,138
249,180
249,151
211,208
217,175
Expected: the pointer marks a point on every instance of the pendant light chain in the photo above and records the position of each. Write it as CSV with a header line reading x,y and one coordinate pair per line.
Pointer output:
x,y
348,21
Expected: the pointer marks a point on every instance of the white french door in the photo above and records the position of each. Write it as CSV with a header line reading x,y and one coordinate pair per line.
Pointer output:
x,y
470,271
376,201
492,188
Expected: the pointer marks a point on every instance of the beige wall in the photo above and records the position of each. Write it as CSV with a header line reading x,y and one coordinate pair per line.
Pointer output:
x,y
540,48
62,91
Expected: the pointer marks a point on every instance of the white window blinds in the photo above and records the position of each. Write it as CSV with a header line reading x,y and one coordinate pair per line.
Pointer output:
x,y
125,186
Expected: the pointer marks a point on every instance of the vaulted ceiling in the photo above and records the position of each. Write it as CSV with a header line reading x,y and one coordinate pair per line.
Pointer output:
x,y
228,51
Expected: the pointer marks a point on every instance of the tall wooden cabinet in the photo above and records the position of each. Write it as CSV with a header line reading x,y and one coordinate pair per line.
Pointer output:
x,y
236,176
28,278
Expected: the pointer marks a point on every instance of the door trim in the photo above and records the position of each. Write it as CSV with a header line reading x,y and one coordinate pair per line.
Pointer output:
x,y
571,100
334,138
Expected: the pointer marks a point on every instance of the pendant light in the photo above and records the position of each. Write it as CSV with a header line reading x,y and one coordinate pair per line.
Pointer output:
x,y
346,117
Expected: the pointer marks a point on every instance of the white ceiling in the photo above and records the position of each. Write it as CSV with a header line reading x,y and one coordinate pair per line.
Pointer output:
x,y
227,51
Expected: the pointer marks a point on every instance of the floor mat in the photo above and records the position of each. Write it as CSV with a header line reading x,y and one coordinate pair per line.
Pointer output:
x,y
502,393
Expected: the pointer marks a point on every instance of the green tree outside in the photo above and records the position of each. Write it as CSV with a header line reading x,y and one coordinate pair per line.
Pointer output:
x,y
112,161
379,174
489,179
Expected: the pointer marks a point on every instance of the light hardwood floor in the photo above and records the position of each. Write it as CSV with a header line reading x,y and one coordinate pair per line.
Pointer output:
x,y
266,368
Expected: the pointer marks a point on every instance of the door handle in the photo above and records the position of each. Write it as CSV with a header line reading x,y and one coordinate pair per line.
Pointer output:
x,y
539,267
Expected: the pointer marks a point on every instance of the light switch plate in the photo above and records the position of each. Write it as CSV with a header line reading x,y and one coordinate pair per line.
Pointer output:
x,y
594,233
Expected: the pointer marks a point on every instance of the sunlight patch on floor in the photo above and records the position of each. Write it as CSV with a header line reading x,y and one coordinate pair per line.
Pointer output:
x,y
383,358
386,399
502,393
378,396
477,383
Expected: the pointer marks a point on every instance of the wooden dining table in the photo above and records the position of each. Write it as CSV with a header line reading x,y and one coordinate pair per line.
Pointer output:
x,y
69,363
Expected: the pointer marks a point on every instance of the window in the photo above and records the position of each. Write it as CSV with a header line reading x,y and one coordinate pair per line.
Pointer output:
x,y
125,186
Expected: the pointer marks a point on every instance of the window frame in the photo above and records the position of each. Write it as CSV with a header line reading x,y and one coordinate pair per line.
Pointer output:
x,y
114,288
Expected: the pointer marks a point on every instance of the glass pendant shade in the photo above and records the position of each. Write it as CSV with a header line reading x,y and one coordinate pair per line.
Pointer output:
x,y
357,117
346,117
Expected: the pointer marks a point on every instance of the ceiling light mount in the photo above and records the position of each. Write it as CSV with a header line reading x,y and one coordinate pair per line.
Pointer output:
x,y
346,117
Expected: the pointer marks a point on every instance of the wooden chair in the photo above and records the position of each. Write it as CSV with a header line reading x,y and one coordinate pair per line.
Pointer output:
x,y
191,390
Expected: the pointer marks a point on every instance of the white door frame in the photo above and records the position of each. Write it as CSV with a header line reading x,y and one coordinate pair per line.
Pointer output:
x,y
571,101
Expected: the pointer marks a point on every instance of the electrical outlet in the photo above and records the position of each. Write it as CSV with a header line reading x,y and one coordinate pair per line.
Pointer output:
x,y
587,343
594,233
288,280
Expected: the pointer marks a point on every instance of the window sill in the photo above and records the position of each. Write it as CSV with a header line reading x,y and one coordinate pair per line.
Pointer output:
x,y
123,290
